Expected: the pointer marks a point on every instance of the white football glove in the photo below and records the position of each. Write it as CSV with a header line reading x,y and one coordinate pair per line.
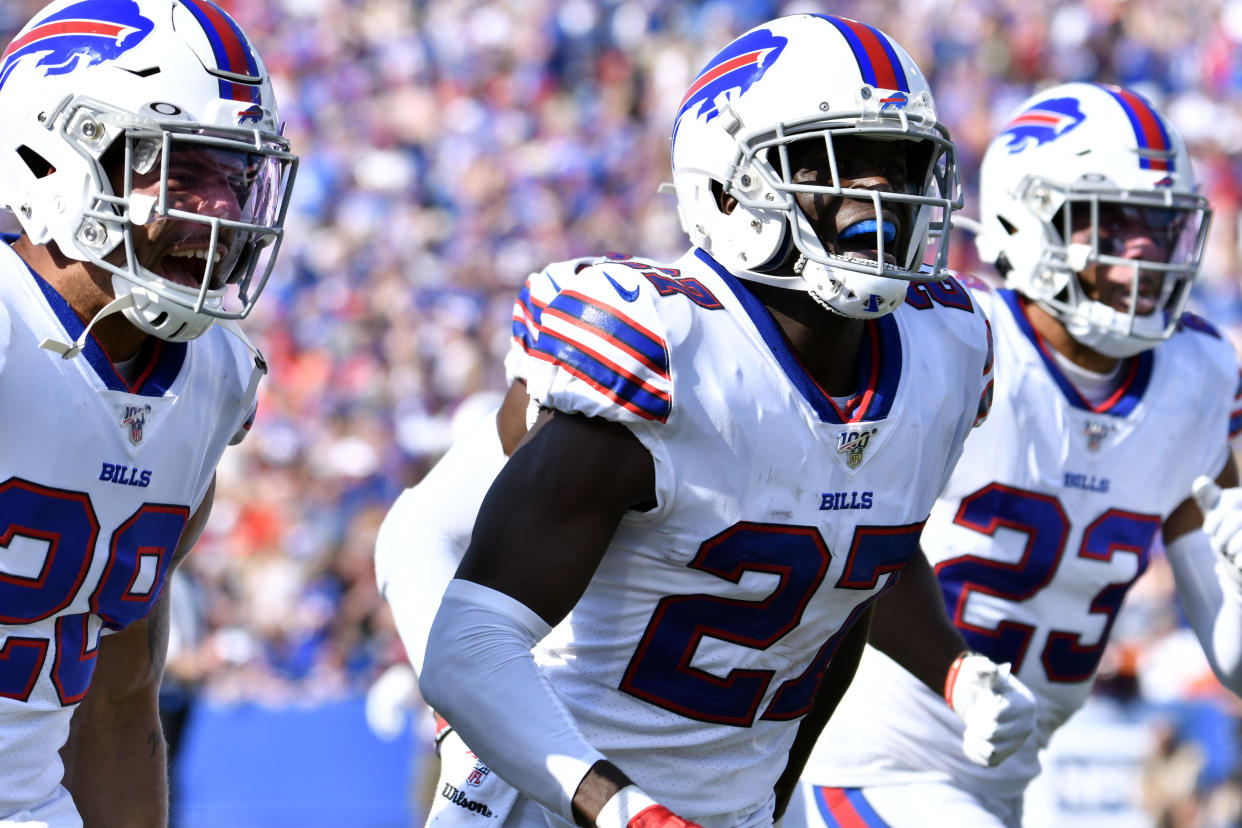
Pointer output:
x,y
1222,521
389,702
997,709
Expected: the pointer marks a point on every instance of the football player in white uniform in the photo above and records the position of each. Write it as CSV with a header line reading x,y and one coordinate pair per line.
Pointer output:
x,y
1110,402
736,454
425,533
140,153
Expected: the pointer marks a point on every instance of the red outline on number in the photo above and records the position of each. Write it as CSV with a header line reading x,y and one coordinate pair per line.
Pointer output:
x,y
53,546
141,552
1072,640
165,555
825,653
82,657
6,651
874,531
968,587
699,632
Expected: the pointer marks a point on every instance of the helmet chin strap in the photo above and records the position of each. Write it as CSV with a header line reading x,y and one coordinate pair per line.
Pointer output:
x,y
119,304
68,351
815,294
1094,332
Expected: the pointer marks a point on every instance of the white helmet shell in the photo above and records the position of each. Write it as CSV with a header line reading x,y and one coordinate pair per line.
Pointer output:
x,y
795,78
1075,148
139,81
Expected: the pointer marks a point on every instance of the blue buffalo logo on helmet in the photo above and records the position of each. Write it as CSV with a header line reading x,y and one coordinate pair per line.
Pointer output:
x,y
736,68
894,101
251,115
1045,121
91,32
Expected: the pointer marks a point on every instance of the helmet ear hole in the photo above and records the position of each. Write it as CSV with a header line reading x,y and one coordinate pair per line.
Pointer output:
x,y
39,166
726,203
1002,265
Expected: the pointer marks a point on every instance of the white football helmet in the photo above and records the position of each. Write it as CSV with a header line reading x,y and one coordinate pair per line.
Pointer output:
x,y
810,77
98,92
1068,156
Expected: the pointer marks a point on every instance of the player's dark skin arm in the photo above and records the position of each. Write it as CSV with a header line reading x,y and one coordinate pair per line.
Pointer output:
x,y
115,761
563,493
836,680
1187,517
912,627
511,418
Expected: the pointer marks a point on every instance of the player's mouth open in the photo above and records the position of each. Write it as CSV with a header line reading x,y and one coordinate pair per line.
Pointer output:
x,y
860,240
187,266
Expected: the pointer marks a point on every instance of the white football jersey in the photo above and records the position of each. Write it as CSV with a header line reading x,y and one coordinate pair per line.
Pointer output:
x,y
97,481
702,638
1045,524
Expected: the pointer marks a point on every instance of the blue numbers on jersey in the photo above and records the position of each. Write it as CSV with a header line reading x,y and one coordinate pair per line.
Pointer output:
x,y
660,671
65,523
948,293
668,280
1043,520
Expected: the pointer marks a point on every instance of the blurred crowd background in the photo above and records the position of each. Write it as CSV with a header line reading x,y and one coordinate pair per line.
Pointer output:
x,y
449,147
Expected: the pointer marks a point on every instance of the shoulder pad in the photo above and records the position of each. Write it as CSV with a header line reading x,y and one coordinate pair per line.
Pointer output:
x,y
537,291
602,349
1194,322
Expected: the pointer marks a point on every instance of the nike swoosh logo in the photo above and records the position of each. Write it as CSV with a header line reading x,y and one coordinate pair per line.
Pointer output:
x,y
627,295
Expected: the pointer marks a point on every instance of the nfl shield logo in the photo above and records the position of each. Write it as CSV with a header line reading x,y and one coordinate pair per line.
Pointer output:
x,y
1095,434
852,444
134,418
479,773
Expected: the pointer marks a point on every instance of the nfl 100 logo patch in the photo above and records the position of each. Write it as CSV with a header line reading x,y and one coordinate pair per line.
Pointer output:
x,y
853,443
134,418
1096,433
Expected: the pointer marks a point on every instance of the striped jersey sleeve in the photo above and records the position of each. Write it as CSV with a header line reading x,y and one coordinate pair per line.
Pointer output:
x,y
537,291
602,351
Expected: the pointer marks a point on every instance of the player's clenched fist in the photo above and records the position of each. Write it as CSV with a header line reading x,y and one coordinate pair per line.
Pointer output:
x,y
1222,521
997,709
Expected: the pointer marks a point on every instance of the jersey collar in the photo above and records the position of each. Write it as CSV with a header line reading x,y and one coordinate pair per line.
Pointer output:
x,y
164,362
1135,372
879,363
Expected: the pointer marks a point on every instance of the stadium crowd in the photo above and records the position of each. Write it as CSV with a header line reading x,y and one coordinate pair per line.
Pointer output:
x,y
449,147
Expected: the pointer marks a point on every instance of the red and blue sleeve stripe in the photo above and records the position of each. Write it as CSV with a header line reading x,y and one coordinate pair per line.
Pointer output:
x,y
231,48
846,808
618,329
877,60
1148,127
527,312
605,376
634,388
